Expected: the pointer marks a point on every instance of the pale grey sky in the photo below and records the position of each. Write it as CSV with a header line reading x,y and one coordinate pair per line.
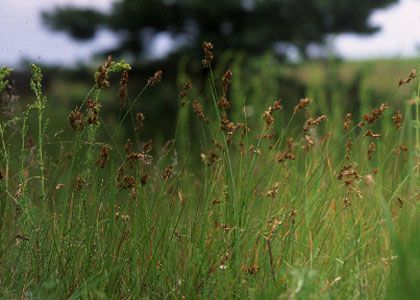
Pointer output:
x,y
400,34
23,35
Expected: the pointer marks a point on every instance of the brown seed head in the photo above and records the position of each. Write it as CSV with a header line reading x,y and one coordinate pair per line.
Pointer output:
x,y
226,81
313,122
274,190
93,108
277,105
293,215
268,118
169,170
349,146
371,150
228,127
101,76
398,119
348,174
198,109
80,183
253,150
371,134
223,103
287,154
411,76
302,104
268,114
59,186
375,114
155,79
128,182
123,88
208,54
309,140
103,156
76,120
209,159
347,122
187,86
147,146
253,269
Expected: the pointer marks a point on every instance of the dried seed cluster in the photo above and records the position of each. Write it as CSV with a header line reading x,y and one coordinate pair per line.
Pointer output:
x,y
348,174
268,114
185,88
371,134
78,120
123,88
93,108
223,102
371,150
374,115
198,109
303,103
208,54
273,191
347,122
411,76
155,79
313,122
101,76
349,146
103,156
398,119
289,154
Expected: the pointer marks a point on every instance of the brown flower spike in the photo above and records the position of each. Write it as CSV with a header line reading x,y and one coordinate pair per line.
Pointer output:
x,y
103,156
93,108
268,114
411,76
101,76
375,114
208,54
313,122
186,87
371,150
155,79
76,119
198,109
398,119
347,122
302,104
123,88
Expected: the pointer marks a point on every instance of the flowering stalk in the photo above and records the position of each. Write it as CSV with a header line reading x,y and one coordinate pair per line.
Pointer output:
x,y
39,105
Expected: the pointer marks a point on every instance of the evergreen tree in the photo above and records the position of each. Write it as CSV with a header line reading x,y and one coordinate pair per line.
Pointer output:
x,y
251,25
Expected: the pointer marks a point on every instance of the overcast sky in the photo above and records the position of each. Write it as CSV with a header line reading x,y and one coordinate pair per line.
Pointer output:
x,y
23,35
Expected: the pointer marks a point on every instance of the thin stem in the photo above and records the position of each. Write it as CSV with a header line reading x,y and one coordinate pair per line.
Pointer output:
x,y
6,157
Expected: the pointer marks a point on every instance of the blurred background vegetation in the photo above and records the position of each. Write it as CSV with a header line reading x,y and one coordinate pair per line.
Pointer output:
x,y
254,38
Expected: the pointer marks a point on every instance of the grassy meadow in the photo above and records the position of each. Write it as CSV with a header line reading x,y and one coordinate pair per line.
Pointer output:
x,y
253,196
